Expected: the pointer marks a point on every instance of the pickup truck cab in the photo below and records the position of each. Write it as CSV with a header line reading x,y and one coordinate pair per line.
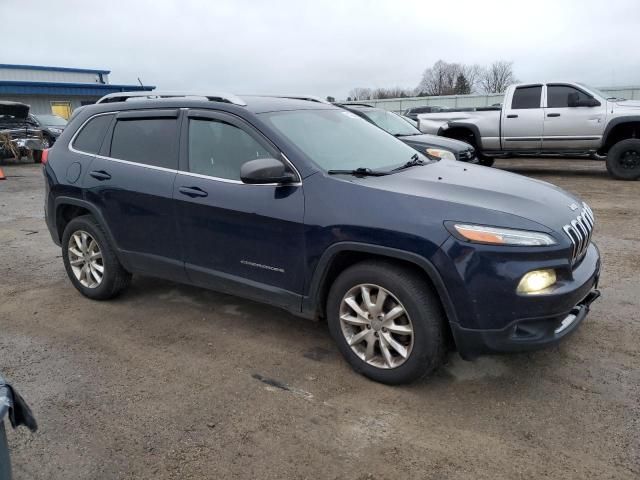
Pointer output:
x,y
551,118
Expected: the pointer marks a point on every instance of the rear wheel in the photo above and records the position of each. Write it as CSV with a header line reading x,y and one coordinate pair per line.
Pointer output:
x,y
90,261
623,160
387,322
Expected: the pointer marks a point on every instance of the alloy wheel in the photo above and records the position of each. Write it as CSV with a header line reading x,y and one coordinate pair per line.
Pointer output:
x,y
85,258
376,326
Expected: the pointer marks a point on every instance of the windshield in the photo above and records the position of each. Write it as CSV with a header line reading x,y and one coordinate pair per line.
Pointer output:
x,y
340,140
390,122
52,120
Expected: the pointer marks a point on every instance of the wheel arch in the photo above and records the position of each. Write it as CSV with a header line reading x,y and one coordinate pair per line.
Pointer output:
x,y
466,132
618,129
342,255
68,208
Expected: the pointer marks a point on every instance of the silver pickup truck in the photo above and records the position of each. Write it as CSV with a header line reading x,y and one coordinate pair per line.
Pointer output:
x,y
550,118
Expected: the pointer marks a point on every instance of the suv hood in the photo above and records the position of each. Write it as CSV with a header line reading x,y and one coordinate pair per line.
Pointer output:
x,y
428,141
489,189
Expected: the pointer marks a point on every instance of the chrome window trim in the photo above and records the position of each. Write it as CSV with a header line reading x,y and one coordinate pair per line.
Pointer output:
x,y
297,183
70,147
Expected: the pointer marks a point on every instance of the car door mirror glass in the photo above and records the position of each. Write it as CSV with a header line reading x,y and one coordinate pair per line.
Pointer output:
x,y
265,170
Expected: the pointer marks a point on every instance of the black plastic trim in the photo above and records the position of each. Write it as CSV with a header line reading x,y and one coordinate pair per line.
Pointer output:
x,y
311,304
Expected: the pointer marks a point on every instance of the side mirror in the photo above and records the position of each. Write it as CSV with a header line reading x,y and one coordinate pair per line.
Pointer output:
x,y
573,100
265,170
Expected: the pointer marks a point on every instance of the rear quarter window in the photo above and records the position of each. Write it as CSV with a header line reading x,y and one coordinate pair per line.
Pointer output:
x,y
149,141
91,135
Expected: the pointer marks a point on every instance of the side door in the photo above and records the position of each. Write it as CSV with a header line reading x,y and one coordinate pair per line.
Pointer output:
x,y
237,238
523,119
131,182
574,120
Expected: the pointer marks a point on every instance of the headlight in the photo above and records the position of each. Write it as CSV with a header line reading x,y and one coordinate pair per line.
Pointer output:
x,y
439,153
503,236
55,130
537,281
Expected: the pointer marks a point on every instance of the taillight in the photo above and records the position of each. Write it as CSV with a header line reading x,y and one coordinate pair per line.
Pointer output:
x,y
45,156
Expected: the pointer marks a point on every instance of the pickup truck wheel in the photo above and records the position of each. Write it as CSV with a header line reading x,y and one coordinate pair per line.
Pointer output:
x,y
485,161
90,261
623,160
387,322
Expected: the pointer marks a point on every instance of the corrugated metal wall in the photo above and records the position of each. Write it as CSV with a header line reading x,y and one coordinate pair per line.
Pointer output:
x,y
399,105
30,75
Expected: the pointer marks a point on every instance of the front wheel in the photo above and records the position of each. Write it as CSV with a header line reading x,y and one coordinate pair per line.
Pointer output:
x,y
485,161
387,322
623,160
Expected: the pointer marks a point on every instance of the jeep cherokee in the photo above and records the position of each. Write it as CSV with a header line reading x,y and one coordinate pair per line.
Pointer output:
x,y
305,206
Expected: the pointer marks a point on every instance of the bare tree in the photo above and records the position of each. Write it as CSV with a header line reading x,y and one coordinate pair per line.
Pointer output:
x,y
497,77
440,79
472,75
360,93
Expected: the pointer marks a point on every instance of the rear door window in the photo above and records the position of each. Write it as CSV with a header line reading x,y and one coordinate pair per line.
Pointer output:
x,y
526,97
90,137
149,141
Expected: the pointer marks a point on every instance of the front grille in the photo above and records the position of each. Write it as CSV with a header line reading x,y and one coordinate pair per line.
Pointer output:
x,y
579,231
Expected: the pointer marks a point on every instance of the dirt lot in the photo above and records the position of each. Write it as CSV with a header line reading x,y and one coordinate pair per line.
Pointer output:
x,y
170,381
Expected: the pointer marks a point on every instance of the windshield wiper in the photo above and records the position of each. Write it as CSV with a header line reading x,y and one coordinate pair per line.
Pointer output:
x,y
359,172
407,134
414,162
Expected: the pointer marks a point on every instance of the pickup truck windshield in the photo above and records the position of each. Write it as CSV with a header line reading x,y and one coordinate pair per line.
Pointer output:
x,y
340,140
390,122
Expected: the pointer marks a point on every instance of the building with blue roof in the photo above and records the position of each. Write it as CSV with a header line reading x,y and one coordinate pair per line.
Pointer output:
x,y
57,90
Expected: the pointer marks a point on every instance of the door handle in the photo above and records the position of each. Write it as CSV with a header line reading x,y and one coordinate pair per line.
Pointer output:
x,y
512,116
100,175
193,192
553,114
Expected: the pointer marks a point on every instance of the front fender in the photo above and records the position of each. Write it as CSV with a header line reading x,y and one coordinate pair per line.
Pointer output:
x,y
312,303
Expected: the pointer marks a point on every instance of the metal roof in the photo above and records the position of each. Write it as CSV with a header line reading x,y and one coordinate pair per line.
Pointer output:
x,y
15,87
52,69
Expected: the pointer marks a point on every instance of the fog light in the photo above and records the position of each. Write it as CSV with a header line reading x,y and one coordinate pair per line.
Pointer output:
x,y
536,281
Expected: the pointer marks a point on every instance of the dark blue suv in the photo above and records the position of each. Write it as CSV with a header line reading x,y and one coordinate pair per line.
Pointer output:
x,y
308,207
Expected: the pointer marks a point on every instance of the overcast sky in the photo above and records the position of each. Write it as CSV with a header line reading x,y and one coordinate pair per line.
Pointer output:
x,y
322,48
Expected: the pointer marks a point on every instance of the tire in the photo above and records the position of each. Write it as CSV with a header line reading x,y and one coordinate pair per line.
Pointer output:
x,y
485,161
424,349
5,460
623,160
37,156
114,278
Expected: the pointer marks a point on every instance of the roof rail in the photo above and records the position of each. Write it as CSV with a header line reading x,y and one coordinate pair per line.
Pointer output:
x,y
213,97
309,98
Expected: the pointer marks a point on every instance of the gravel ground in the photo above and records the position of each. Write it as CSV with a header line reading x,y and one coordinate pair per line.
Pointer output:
x,y
171,381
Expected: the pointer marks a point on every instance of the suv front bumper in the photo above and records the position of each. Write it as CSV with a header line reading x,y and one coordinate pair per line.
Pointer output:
x,y
522,335
490,316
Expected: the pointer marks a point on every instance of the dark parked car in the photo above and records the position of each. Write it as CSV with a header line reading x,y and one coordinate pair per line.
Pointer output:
x,y
413,113
432,145
13,407
303,205
51,126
